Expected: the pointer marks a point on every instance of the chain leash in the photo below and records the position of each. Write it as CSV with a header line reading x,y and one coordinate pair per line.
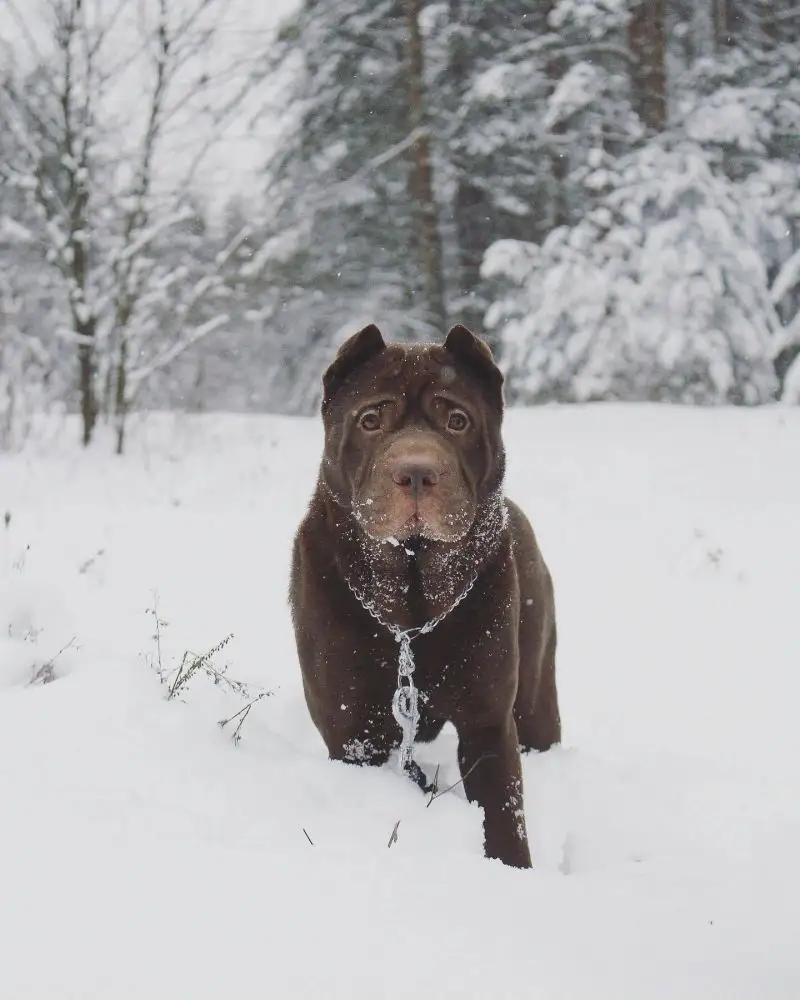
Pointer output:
x,y
405,701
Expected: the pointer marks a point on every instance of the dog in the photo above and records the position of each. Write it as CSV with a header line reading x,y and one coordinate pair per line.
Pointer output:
x,y
418,592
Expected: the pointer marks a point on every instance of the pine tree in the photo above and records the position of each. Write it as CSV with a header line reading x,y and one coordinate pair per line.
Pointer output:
x,y
346,245
659,293
525,92
647,44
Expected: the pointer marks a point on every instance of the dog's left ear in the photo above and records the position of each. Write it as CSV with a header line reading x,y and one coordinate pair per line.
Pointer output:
x,y
477,356
352,354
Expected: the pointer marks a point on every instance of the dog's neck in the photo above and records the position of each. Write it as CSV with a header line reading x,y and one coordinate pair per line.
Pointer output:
x,y
411,582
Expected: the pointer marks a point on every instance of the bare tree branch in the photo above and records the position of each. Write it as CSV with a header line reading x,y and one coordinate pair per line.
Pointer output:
x,y
181,341
104,211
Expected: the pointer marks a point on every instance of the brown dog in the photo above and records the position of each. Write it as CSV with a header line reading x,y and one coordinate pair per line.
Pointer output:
x,y
409,534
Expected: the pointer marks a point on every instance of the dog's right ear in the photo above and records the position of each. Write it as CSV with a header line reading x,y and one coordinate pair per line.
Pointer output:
x,y
352,355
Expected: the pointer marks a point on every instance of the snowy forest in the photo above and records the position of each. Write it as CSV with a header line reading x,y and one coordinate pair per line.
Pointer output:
x,y
608,191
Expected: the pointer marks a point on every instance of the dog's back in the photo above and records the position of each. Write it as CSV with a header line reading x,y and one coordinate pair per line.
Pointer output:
x,y
536,707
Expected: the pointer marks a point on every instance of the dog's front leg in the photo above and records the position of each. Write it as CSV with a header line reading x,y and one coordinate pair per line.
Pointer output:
x,y
359,734
492,772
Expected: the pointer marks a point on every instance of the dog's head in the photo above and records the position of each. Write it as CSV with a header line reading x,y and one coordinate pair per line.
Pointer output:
x,y
412,434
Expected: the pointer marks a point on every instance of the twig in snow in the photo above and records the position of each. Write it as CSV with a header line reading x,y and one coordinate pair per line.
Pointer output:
x,y
393,838
157,636
242,715
86,566
19,563
307,836
437,794
191,663
45,674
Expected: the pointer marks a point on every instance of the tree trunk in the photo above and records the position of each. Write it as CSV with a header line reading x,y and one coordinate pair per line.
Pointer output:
x,y
472,215
421,181
472,209
559,162
768,23
86,386
121,393
106,383
83,318
724,15
647,42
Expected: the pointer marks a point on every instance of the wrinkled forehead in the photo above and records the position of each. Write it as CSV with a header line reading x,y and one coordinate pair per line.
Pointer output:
x,y
409,369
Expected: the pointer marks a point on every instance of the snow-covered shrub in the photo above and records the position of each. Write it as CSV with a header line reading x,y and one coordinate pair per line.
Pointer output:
x,y
658,293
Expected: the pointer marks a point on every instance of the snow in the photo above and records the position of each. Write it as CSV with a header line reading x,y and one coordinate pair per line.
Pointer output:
x,y
144,854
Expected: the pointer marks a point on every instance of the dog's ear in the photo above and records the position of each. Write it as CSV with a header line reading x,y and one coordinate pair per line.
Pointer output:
x,y
352,354
477,356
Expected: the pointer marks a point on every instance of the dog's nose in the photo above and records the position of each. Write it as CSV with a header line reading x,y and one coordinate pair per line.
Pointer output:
x,y
415,476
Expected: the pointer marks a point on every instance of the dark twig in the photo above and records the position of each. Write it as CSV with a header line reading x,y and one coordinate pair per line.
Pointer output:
x,y
242,715
307,836
46,673
86,566
191,663
444,791
393,838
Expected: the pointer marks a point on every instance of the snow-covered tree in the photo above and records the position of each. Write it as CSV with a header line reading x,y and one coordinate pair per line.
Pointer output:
x,y
659,293
743,106
670,280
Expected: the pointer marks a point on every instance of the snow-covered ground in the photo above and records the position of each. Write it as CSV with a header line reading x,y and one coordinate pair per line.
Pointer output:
x,y
145,855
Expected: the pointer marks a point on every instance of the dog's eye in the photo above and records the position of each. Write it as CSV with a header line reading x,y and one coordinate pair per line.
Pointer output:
x,y
370,420
458,421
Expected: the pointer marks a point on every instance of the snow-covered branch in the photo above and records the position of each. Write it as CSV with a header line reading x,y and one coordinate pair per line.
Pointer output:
x,y
787,279
165,357
181,334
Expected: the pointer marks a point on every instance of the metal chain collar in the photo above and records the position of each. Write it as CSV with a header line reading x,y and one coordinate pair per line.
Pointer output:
x,y
405,702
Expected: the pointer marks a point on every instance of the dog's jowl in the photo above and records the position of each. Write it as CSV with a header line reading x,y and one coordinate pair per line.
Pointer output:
x,y
419,594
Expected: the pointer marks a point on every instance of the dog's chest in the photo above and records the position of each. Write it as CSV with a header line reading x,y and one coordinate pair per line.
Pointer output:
x,y
456,671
